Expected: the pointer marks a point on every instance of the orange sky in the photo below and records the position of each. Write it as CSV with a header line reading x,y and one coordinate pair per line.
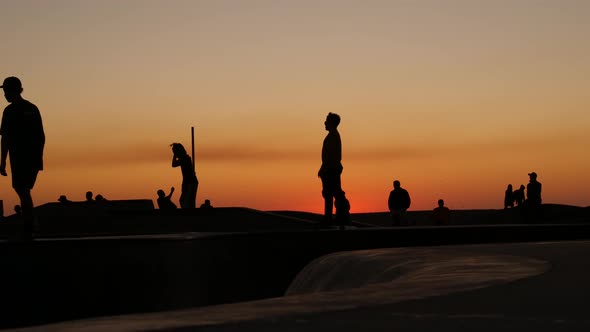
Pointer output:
x,y
456,99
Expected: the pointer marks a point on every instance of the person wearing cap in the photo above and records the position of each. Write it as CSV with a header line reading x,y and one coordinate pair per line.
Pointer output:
x,y
23,140
532,204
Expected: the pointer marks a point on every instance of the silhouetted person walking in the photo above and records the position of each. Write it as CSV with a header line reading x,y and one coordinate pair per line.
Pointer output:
x,y
399,202
441,215
331,167
519,195
23,139
180,158
509,197
165,201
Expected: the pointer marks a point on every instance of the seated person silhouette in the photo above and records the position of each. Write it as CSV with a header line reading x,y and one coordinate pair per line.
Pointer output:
x,y
519,195
342,206
63,199
441,215
206,205
165,202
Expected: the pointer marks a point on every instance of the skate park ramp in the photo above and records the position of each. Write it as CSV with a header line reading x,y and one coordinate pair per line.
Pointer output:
x,y
340,281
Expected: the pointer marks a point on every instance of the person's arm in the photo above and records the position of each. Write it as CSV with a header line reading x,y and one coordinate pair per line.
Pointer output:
x,y
171,192
3,155
390,201
175,161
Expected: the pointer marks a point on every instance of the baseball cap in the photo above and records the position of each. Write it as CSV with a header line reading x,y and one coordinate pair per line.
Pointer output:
x,y
11,83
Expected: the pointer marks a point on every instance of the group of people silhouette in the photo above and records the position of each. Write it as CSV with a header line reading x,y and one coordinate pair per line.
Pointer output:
x,y
517,197
23,140
190,183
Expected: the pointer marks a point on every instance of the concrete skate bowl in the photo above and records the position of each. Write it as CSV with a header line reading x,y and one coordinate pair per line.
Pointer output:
x,y
372,277
341,281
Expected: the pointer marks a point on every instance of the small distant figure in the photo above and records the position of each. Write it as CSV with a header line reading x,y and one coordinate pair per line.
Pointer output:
x,y
399,202
63,199
532,204
18,210
533,191
190,183
165,201
441,215
331,168
100,198
206,205
519,195
509,197
89,196
342,205
23,141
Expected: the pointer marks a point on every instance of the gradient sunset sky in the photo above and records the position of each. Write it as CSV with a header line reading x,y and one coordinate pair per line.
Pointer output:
x,y
456,99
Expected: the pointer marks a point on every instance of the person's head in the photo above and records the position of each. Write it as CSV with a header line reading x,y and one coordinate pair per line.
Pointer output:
x,y
207,202
533,176
332,121
62,199
509,187
89,195
13,88
99,197
396,184
441,203
522,187
178,149
161,193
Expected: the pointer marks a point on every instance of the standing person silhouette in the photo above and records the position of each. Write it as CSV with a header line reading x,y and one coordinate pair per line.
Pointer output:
x,y
533,190
533,199
508,197
441,214
23,139
180,158
331,167
398,202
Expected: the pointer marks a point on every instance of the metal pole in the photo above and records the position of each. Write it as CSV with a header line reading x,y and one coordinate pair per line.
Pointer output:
x,y
193,145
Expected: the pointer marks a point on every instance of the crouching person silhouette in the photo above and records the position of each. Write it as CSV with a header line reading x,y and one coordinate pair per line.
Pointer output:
x,y
342,210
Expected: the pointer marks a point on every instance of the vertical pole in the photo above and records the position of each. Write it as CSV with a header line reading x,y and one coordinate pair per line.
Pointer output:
x,y
193,145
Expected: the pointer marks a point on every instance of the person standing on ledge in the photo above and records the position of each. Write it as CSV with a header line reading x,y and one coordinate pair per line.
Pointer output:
x,y
188,195
331,168
23,139
533,199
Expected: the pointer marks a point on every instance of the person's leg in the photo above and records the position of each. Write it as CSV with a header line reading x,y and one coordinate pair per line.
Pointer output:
x,y
23,181
331,186
26,203
194,195
183,199
328,202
